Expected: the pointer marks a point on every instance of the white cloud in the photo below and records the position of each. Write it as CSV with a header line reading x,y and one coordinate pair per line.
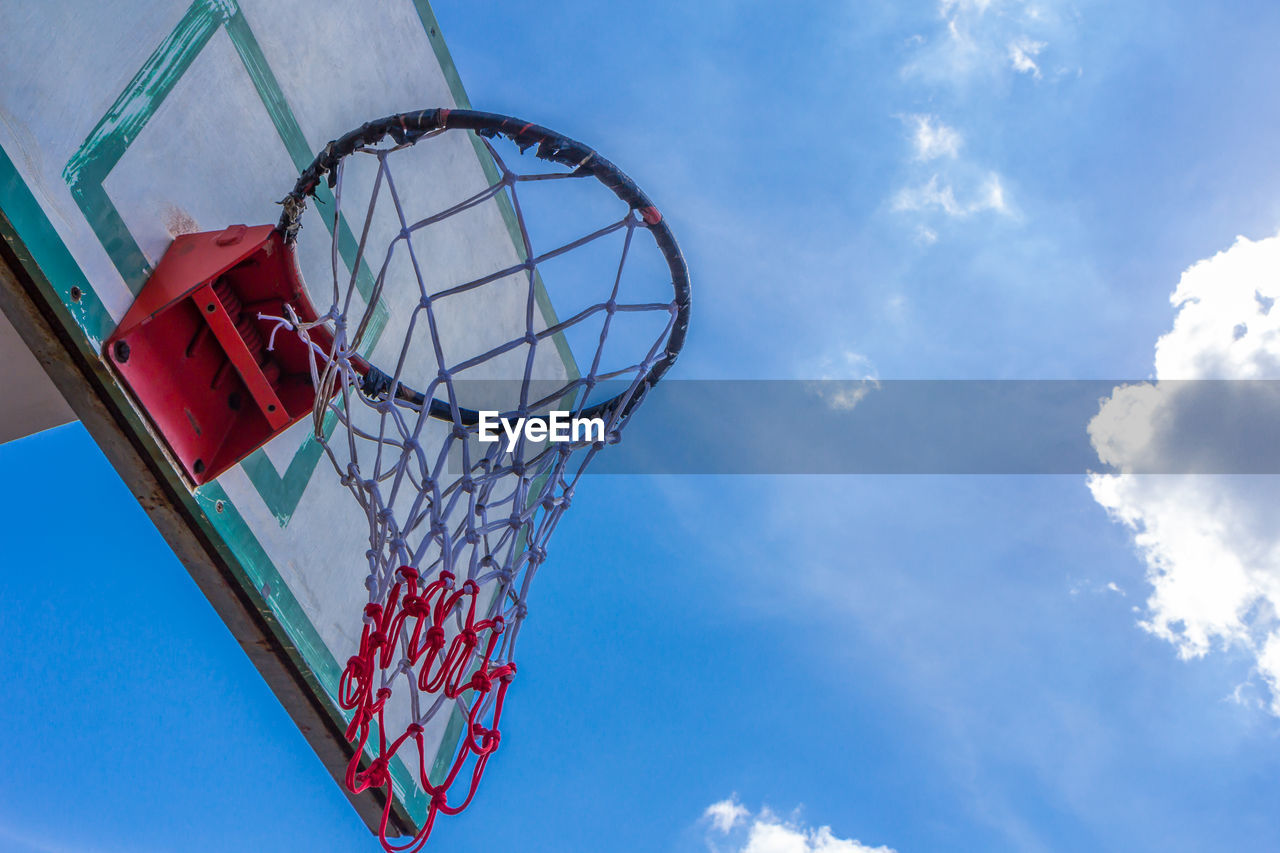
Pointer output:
x,y
1094,588
1225,328
976,46
937,194
1022,53
933,194
726,814
987,40
933,139
1209,541
765,832
992,197
848,377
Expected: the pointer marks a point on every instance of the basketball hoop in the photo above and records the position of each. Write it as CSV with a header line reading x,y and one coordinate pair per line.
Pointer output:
x,y
458,528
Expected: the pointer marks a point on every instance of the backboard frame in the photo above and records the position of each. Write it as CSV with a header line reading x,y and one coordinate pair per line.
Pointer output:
x,y
44,292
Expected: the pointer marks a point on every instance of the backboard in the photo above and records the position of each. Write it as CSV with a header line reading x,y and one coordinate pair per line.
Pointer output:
x,y
124,125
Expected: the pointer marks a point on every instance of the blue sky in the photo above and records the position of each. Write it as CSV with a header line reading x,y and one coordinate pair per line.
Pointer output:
x,y
955,189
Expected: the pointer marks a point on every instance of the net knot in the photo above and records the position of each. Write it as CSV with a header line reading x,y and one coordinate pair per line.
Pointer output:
x,y
489,738
435,637
376,775
359,668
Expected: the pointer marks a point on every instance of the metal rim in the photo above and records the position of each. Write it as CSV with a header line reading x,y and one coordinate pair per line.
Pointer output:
x,y
408,128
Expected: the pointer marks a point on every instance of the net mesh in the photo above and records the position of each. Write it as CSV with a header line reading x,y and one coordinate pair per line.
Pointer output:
x,y
459,526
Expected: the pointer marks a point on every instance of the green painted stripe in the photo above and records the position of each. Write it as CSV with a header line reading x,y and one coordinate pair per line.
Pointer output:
x,y
540,296
268,87
43,255
443,57
258,575
109,225
281,493
151,85
88,168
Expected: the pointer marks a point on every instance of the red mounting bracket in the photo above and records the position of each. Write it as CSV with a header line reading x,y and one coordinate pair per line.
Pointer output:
x,y
192,347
